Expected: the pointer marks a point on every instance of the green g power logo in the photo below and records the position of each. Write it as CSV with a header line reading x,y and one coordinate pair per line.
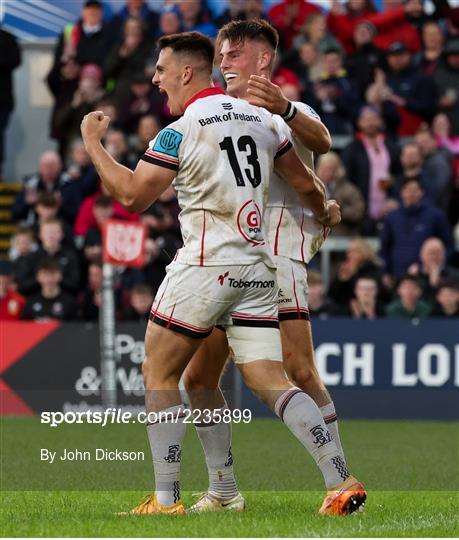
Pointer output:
x,y
168,142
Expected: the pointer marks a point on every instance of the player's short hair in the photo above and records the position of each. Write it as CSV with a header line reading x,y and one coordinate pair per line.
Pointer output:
x,y
255,30
193,44
48,264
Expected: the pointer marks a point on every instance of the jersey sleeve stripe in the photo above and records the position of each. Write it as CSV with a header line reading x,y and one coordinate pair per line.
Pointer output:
x,y
282,148
160,155
159,162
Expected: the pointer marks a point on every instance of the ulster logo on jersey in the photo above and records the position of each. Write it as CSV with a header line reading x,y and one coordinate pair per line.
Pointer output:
x,y
249,223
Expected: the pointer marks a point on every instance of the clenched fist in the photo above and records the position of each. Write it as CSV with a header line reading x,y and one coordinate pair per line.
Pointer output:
x,y
94,126
333,216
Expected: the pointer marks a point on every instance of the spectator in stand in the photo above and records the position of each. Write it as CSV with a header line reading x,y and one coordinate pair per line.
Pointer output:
x,y
162,217
86,220
140,301
407,228
50,178
11,302
127,58
195,18
22,243
63,80
46,208
447,83
408,89
365,303
87,41
394,23
80,168
360,261
370,160
143,99
412,162
447,300
134,9
363,62
306,63
9,61
335,95
116,145
433,41
102,211
147,130
253,9
68,118
442,131
315,32
51,302
289,16
409,304
90,297
169,20
432,267
233,12
377,96
51,235
319,305
437,168
331,171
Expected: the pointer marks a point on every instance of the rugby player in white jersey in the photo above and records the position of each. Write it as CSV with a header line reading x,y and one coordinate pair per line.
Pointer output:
x,y
219,155
247,51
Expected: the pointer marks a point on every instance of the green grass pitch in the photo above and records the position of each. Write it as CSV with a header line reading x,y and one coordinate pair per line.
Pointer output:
x,y
410,470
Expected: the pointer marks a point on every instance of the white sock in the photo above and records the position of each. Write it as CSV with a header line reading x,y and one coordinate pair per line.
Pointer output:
x,y
215,439
331,421
302,416
166,438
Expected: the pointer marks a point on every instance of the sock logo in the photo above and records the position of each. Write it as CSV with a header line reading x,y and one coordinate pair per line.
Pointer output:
x,y
174,454
340,465
176,492
222,278
322,435
229,461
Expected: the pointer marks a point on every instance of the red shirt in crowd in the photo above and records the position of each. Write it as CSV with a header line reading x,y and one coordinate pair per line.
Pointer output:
x,y
11,306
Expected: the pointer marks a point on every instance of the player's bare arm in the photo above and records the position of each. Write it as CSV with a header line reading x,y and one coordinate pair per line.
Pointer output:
x,y
310,131
308,187
136,190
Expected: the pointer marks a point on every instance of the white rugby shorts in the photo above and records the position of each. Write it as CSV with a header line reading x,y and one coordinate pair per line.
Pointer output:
x,y
193,299
292,279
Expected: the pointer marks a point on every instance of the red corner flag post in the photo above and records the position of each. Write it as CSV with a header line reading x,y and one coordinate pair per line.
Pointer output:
x,y
123,245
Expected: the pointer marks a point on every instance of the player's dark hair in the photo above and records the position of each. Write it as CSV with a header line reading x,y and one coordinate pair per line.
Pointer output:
x,y
49,265
255,30
191,43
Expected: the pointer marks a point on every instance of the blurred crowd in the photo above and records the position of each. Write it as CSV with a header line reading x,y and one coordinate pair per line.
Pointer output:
x,y
385,83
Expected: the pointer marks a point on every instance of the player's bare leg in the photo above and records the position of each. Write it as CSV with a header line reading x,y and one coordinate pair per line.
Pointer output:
x,y
201,378
167,353
300,365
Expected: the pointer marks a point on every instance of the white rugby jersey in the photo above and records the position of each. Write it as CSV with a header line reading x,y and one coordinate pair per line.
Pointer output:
x,y
292,230
223,150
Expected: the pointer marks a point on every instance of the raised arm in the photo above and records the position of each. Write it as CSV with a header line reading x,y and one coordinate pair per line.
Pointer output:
x,y
136,190
311,132
309,188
